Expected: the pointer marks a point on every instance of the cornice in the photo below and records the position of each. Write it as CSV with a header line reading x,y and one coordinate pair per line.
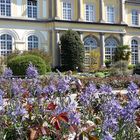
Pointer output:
x,y
60,21
85,22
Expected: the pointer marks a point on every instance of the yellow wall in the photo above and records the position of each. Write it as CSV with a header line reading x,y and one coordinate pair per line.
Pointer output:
x,y
116,5
129,9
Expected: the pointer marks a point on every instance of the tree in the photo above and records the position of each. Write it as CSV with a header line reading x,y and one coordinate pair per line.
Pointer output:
x,y
72,51
122,53
95,57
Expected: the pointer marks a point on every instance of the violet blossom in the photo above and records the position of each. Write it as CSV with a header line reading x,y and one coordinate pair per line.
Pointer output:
x,y
88,95
50,89
105,89
63,85
74,118
132,90
129,110
31,71
7,73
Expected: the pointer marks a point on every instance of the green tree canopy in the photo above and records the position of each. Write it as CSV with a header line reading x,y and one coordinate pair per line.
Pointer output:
x,y
72,51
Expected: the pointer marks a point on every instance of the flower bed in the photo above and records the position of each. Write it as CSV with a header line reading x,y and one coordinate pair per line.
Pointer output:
x,y
113,81
42,109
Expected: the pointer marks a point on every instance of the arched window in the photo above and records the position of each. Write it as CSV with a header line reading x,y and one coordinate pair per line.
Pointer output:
x,y
134,52
5,7
5,44
110,47
32,42
32,8
90,44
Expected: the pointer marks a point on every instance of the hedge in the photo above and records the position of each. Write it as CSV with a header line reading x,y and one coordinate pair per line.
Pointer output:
x,y
19,64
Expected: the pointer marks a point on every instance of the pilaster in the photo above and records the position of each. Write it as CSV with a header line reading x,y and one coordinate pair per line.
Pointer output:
x,y
122,9
102,48
101,5
122,39
80,10
50,9
56,9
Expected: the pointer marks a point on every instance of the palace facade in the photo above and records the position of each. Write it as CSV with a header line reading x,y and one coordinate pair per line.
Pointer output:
x,y
103,24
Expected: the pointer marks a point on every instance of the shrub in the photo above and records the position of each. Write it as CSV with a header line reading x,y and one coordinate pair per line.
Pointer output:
x,y
130,67
108,63
72,51
19,64
122,53
37,52
120,68
123,65
43,54
100,74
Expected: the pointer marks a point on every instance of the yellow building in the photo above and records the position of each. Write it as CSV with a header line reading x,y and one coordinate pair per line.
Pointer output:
x,y
103,24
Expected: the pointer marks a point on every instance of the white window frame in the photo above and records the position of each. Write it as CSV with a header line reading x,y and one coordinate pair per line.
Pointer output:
x,y
134,52
6,6
33,42
110,47
33,6
5,49
135,18
67,10
90,13
90,43
110,14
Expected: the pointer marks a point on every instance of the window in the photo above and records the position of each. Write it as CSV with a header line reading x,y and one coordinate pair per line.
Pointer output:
x,y
135,17
67,11
90,14
134,52
32,42
5,44
110,47
110,14
32,8
90,44
5,7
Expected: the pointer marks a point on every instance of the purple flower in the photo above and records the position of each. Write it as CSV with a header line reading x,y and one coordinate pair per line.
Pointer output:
x,y
129,110
39,89
17,88
110,124
84,99
132,90
107,136
88,95
7,73
74,118
1,92
1,100
72,106
49,89
105,89
31,71
19,111
111,108
63,85
132,87
91,89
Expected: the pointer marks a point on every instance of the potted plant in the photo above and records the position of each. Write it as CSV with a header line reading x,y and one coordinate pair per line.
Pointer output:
x,y
108,63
